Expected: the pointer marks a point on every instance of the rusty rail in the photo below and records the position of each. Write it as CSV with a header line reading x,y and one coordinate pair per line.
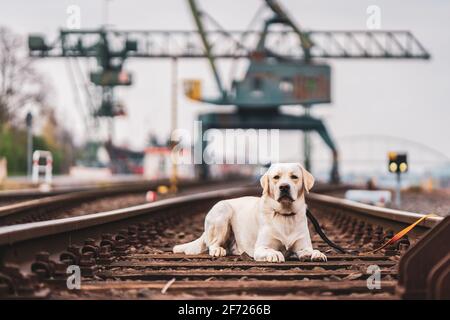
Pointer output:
x,y
26,210
15,195
31,231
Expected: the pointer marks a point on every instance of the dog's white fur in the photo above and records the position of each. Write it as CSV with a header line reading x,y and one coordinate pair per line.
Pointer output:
x,y
266,227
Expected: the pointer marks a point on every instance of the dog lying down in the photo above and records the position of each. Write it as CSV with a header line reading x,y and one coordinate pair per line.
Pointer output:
x,y
267,228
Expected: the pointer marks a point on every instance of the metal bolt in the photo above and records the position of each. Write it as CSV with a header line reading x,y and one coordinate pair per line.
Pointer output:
x,y
391,250
107,240
87,264
403,244
105,256
122,234
43,266
120,247
353,227
90,246
368,235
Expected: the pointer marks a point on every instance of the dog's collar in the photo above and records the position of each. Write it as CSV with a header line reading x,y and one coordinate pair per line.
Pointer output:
x,y
286,214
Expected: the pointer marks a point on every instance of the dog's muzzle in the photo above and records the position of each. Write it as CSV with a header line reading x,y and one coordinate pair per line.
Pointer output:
x,y
285,194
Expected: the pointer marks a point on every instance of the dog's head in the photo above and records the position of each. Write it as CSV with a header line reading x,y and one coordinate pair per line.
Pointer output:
x,y
286,182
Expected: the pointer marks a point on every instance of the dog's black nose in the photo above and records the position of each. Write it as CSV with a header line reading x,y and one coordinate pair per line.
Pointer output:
x,y
284,187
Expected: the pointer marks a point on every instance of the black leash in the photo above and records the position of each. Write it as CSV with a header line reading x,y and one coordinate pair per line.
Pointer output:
x,y
322,234
396,237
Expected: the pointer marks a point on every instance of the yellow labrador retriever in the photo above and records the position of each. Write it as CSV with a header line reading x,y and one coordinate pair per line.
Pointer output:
x,y
266,227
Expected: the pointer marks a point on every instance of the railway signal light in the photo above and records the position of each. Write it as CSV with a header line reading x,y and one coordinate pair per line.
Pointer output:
x,y
398,163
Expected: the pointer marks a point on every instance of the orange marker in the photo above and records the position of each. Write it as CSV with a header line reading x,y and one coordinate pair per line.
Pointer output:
x,y
400,234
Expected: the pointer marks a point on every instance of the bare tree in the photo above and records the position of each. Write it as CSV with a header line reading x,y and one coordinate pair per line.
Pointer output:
x,y
20,84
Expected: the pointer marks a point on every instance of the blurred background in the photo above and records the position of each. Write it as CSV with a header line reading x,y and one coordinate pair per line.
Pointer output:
x,y
376,105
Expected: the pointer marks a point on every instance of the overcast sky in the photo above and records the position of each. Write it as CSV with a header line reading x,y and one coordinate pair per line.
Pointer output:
x,y
407,99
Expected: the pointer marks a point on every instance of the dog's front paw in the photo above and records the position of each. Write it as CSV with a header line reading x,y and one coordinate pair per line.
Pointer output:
x,y
270,256
311,255
318,256
304,255
217,252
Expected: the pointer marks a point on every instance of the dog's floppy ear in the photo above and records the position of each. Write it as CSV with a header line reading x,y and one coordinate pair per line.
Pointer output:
x,y
265,184
308,179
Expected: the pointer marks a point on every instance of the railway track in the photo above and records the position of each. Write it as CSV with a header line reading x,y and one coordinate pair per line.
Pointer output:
x,y
126,253
8,197
76,201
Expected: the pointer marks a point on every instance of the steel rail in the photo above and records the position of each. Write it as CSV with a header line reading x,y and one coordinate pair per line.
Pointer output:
x,y
68,198
16,233
22,194
399,216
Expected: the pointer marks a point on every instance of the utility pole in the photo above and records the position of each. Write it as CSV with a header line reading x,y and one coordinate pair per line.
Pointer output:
x,y
307,143
174,124
29,123
398,197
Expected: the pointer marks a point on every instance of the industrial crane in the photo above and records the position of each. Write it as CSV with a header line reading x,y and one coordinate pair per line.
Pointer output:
x,y
109,72
273,80
283,69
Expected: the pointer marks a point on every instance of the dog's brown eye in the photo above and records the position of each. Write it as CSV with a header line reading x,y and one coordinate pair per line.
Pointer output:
x,y
276,177
294,176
